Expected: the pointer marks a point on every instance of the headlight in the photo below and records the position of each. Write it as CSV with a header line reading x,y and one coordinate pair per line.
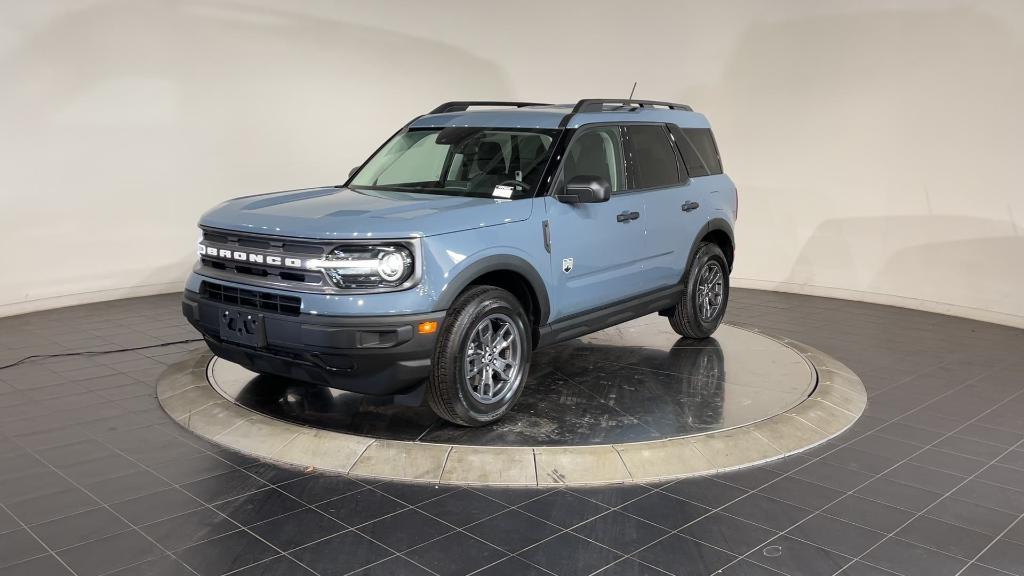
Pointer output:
x,y
387,266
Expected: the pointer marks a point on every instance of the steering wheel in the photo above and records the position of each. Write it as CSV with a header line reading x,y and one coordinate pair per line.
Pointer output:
x,y
515,182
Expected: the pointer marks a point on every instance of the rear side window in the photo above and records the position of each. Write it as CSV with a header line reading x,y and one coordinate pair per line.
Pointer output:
x,y
700,154
654,161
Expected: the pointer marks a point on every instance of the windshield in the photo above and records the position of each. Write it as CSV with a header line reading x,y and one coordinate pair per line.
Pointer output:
x,y
460,161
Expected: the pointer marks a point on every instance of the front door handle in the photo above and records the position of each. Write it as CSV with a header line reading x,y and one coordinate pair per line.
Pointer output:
x,y
689,206
627,216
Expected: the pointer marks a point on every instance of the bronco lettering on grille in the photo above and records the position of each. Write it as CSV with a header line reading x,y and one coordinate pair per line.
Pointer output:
x,y
250,257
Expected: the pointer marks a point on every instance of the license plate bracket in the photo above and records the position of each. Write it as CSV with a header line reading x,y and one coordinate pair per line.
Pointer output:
x,y
243,327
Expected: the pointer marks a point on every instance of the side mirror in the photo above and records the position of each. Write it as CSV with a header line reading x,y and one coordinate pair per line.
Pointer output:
x,y
353,171
585,189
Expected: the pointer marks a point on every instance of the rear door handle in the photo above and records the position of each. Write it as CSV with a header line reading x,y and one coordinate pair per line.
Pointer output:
x,y
689,206
627,216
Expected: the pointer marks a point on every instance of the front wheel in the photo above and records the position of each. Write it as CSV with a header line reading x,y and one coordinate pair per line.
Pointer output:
x,y
482,358
701,306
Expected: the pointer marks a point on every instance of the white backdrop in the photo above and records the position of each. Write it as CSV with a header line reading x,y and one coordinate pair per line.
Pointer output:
x,y
876,145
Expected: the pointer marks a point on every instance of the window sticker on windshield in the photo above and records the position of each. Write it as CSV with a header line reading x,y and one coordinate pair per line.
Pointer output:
x,y
502,192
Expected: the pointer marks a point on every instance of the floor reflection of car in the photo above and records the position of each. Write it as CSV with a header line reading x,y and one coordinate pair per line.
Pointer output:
x,y
681,391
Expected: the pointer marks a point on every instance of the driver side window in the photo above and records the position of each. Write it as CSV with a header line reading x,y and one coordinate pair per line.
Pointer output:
x,y
596,152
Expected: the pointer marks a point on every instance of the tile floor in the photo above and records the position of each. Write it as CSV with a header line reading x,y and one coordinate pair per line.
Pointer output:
x,y
95,479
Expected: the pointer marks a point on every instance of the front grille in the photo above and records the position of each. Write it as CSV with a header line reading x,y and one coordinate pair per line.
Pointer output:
x,y
265,274
265,301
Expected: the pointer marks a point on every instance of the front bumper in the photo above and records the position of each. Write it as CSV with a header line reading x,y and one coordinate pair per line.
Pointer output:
x,y
379,355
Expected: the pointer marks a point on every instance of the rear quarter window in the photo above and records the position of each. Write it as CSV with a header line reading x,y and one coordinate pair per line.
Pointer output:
x,y
699,152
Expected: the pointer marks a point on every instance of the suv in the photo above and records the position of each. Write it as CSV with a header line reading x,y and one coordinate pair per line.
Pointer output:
x,y
468,240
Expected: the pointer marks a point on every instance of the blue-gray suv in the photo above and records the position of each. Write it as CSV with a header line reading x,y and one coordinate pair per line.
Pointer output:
x,y
476,234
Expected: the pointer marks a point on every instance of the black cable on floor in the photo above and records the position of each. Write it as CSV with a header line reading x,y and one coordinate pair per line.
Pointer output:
x,y
92,352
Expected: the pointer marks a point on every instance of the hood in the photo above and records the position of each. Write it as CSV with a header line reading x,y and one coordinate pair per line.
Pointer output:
x,y
328,213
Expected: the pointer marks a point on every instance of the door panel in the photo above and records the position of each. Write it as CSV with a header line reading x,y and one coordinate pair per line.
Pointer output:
x,y
596,252
606,255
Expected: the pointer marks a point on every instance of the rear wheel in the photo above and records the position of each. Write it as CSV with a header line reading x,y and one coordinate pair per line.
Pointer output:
x,y
482,358
701,306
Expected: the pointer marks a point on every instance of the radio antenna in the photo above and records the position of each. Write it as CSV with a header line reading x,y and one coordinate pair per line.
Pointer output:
x,y
631,92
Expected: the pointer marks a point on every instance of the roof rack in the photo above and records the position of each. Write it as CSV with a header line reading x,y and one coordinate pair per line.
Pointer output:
x,y
597,104
461,106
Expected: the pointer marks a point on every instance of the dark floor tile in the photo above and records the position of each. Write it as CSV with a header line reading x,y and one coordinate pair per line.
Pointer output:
x,y
192,469
50,506
706,491
729,533
510,495
923,477
859,460
970,447
833,476
684,556
749,478
47,565
949,538
908,433
835,534
620,531
462,508
165,565
864,569
513,530
627,567
127,486
156,506
316,489
570,555
1003,476
665,510
79,528
883,446
415,494
258,506
189,528
976,569
801,492
361,507
19,545
612,496
1004,555
341,554
224,486
109,553
225,553
515,566
991,495
564,508
298,528
798,558
745,567
394,566
437,556
898,494
1014,458
276,566
911,559
991,435
970,515
869,513
7,522
406,529
949,462
767,511
272,473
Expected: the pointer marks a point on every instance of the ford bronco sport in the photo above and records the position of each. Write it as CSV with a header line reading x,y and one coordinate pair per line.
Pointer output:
x,y
468,240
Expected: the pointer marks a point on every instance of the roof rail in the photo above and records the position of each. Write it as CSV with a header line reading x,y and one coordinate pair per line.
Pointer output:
x,y
462,105
597,104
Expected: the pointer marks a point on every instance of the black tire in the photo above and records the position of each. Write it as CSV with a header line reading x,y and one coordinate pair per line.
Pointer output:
x,y
685,317
449,393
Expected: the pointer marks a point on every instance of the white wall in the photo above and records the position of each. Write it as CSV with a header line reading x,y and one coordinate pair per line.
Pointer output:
x,y
875,144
